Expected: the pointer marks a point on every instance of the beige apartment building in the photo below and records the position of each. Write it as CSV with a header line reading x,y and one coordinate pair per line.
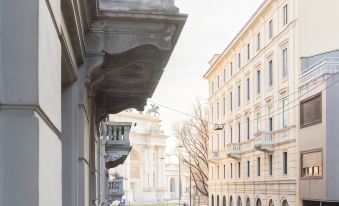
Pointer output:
x,y
256,85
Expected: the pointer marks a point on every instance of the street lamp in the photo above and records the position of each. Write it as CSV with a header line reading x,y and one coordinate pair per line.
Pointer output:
x,y
190,191
179,147
190,182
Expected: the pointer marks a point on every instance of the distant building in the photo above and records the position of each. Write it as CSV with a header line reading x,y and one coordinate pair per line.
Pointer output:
x,y
64,66
147,176
272,138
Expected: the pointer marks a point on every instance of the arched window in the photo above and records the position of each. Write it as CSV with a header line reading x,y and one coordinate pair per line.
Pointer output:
x,y
271,203
248,202
218,200
284,203
212,200
239,201
224,201
172,185
231,201
258,202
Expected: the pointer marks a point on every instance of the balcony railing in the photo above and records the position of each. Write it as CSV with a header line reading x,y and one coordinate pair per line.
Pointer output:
x,y
234,150
116,140
264,142
322,67
115,188
117,133
215,155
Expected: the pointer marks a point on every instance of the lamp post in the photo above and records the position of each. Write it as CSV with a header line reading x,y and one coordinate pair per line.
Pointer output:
x,y
190,182
179,147
179,183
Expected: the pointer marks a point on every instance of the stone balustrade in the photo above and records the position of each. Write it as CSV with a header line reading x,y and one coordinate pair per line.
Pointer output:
x,y
234,150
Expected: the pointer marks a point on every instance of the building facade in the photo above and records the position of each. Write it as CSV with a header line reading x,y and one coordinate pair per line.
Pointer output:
x,y
149,174
64,66
144,169
318,142
254,97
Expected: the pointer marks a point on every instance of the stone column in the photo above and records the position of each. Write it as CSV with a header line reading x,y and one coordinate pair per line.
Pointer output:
x,y
30,103
151,165
69,145
83,142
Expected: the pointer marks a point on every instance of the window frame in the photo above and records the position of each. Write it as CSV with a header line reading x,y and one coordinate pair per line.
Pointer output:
x,y
239,132
218,110
239,95
224,105
322,164
302,123
231,134
224,172
248,128
231,101
248,89
270,165
248,52
258,41
231,169
284,60
248,169
239,60
239,169
258,166
270,73
270,29
285,113
285,15
285,163
258,86
231,69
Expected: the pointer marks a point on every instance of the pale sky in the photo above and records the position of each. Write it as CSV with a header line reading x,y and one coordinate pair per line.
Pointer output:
x,y
211,25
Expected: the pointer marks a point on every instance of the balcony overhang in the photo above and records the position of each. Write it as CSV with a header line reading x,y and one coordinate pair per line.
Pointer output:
x,y
127,53
264,147
234,151
117,144
116,160
234,155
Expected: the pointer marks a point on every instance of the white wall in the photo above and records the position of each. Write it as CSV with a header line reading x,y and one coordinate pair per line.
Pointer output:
x,y
317,22
1,97
49,65
50,166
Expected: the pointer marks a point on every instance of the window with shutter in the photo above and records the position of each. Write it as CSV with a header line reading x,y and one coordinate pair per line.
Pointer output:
x,y
311,111
311,163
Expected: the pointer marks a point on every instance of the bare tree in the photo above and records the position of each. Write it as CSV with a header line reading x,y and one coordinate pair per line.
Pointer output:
x,y
192,150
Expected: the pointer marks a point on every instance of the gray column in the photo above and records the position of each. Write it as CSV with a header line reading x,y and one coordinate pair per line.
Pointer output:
x,y
30,98
83,142
69,145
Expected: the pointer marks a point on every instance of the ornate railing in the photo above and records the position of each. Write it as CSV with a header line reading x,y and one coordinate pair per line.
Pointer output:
x,y
115,137
234,150
115,188
264,138
320,68
117,133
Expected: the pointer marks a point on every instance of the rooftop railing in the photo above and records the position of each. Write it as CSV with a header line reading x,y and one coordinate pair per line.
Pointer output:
x,y
320,68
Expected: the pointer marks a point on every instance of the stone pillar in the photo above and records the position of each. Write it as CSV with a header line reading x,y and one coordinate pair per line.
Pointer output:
x,y
146,167
69,145
30,104
128,173
83,142
151,166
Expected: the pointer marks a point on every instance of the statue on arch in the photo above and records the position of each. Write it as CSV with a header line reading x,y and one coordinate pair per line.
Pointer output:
x,y
153,110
